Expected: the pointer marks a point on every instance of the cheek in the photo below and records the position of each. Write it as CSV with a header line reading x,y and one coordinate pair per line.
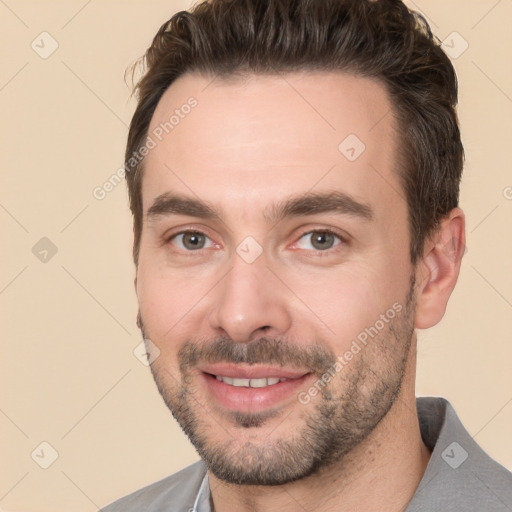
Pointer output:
x,y
343,303
168,302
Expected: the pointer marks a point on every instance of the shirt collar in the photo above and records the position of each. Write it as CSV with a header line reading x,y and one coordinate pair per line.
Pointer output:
x,y
432,415
202,502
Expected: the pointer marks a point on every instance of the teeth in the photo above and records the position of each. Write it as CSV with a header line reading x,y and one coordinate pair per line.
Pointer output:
x,y
241,383
250,383
260,383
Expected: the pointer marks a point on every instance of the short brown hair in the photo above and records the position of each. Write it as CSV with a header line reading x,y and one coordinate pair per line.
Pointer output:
x,y
379,39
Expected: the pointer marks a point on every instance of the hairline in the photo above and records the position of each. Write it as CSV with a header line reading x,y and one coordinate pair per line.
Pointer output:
x,y
242,75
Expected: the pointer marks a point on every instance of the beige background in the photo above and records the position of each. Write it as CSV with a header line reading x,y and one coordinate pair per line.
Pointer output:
x,y
69,376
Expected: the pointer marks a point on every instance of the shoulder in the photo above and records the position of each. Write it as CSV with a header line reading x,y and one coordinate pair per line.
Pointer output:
x,y
179,489
460,475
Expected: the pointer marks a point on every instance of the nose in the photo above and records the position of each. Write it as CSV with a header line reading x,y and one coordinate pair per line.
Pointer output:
x,y
250,302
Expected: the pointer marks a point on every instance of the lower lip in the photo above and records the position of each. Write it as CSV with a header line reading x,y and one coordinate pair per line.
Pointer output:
x,y
244,399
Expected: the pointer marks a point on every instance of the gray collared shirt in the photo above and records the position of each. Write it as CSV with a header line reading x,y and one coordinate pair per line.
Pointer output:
x,y
460,476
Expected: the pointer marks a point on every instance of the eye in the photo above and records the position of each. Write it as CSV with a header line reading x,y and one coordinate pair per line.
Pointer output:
x,y
191,241
321,240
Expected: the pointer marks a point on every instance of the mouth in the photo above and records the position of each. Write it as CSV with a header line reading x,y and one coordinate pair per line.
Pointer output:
x,y
251,389
250,383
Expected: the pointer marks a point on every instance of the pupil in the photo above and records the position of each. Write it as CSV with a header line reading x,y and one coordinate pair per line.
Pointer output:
x,y
193,241
323,240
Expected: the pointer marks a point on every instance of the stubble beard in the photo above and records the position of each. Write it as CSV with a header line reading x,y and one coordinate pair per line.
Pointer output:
x,y
337,421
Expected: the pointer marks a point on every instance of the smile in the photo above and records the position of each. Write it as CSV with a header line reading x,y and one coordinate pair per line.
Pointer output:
x,y
251,388
250,383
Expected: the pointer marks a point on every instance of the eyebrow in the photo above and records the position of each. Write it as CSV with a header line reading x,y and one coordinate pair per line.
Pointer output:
x,y
315,203
171,204
306,204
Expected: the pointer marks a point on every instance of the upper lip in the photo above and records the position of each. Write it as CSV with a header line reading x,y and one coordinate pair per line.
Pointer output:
x,y
244,371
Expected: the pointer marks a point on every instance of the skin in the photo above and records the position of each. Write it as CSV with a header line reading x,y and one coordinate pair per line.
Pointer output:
x,y
249,145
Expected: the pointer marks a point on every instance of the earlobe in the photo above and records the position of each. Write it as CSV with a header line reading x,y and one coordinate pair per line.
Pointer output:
x,y
438,271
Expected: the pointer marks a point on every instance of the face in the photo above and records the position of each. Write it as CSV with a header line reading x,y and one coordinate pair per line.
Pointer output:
x,y
274,271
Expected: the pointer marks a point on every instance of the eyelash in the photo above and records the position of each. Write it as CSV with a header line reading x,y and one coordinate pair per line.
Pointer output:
x,y
328,252
343,241
197,252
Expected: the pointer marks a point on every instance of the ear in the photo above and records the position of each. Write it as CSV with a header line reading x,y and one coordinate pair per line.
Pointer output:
x,y
139,320
437,272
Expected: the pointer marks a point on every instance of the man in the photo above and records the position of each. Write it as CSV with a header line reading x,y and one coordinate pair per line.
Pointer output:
x,y
293,169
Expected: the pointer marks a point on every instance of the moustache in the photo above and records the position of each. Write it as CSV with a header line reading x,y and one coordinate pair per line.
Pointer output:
x,y
265,350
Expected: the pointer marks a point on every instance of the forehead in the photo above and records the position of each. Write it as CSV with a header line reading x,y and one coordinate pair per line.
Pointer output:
x,y
263,137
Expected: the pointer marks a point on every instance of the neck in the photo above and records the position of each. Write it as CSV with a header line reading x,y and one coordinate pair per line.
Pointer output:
x,y
381,473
